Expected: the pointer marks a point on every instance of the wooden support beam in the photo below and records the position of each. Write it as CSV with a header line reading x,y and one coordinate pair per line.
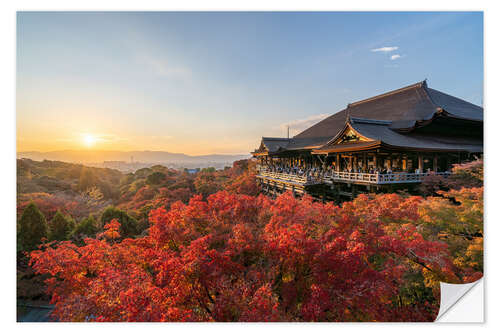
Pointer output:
x,y
420,163
435,163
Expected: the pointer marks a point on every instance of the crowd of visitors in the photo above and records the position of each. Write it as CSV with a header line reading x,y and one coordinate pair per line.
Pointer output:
x,y
314,172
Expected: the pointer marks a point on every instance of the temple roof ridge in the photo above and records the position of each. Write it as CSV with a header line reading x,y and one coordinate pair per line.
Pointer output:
x,y
392,92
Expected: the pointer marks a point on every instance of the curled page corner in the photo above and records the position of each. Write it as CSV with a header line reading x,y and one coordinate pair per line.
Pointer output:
x,y
451,295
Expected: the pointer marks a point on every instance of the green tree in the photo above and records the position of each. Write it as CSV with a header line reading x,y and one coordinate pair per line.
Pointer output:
x,y
87,227
129,226
32,227
209,169
155,178
60,227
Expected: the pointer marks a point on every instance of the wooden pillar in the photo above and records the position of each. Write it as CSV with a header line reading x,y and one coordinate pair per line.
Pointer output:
x,y
420,163
355,162
337,162
435,163
365,162
405,164
350,163
375,166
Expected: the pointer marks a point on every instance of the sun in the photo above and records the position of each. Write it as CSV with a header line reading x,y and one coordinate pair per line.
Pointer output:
x,y
89,140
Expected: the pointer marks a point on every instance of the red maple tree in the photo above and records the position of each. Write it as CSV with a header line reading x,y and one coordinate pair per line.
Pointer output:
x,y
235,257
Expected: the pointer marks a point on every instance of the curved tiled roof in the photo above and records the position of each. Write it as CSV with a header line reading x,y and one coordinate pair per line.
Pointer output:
x,y
275,144
456,106
404,107
402,110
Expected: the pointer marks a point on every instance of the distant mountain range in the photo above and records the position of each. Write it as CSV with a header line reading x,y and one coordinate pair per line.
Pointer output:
x,y
89,156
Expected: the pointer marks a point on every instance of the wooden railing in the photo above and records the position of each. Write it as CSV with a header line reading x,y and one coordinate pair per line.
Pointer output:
x,y
302,180
352,177
378,178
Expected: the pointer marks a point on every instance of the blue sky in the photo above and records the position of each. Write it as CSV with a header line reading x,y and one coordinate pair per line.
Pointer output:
x,y
204,83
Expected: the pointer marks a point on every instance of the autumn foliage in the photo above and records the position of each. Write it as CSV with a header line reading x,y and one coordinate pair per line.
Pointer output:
x,y
235,257
173,246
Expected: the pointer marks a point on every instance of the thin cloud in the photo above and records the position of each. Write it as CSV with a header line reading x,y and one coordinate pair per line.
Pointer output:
x,y
386,49
301,124
395,56
163,68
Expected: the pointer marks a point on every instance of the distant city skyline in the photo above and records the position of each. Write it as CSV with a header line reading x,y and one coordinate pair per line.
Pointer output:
x,y
215,83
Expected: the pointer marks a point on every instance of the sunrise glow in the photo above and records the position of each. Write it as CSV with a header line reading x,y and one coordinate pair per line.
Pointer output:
x,y
89,140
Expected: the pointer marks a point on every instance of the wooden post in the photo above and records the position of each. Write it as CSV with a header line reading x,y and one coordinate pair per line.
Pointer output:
x,y
355,161
420,163
365,162
435,163
405,164
337,163
375,166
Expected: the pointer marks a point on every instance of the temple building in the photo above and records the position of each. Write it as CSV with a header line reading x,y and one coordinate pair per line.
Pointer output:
x,y
383,143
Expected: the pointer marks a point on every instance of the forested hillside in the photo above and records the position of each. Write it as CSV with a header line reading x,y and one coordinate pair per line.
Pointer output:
x,y
79,191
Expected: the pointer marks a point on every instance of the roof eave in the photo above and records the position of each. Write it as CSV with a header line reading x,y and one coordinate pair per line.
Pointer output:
x,y
343,148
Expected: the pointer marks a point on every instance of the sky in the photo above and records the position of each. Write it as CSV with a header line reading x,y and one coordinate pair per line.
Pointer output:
x,y
207,82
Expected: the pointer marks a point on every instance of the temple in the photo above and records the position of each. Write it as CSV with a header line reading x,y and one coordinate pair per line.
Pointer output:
x,y
380,144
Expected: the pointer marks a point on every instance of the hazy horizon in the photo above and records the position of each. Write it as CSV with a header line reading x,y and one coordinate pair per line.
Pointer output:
x,y
204,83
139,156
124,151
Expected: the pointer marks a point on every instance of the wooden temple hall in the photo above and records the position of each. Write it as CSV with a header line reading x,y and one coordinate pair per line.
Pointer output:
x,y
383,143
